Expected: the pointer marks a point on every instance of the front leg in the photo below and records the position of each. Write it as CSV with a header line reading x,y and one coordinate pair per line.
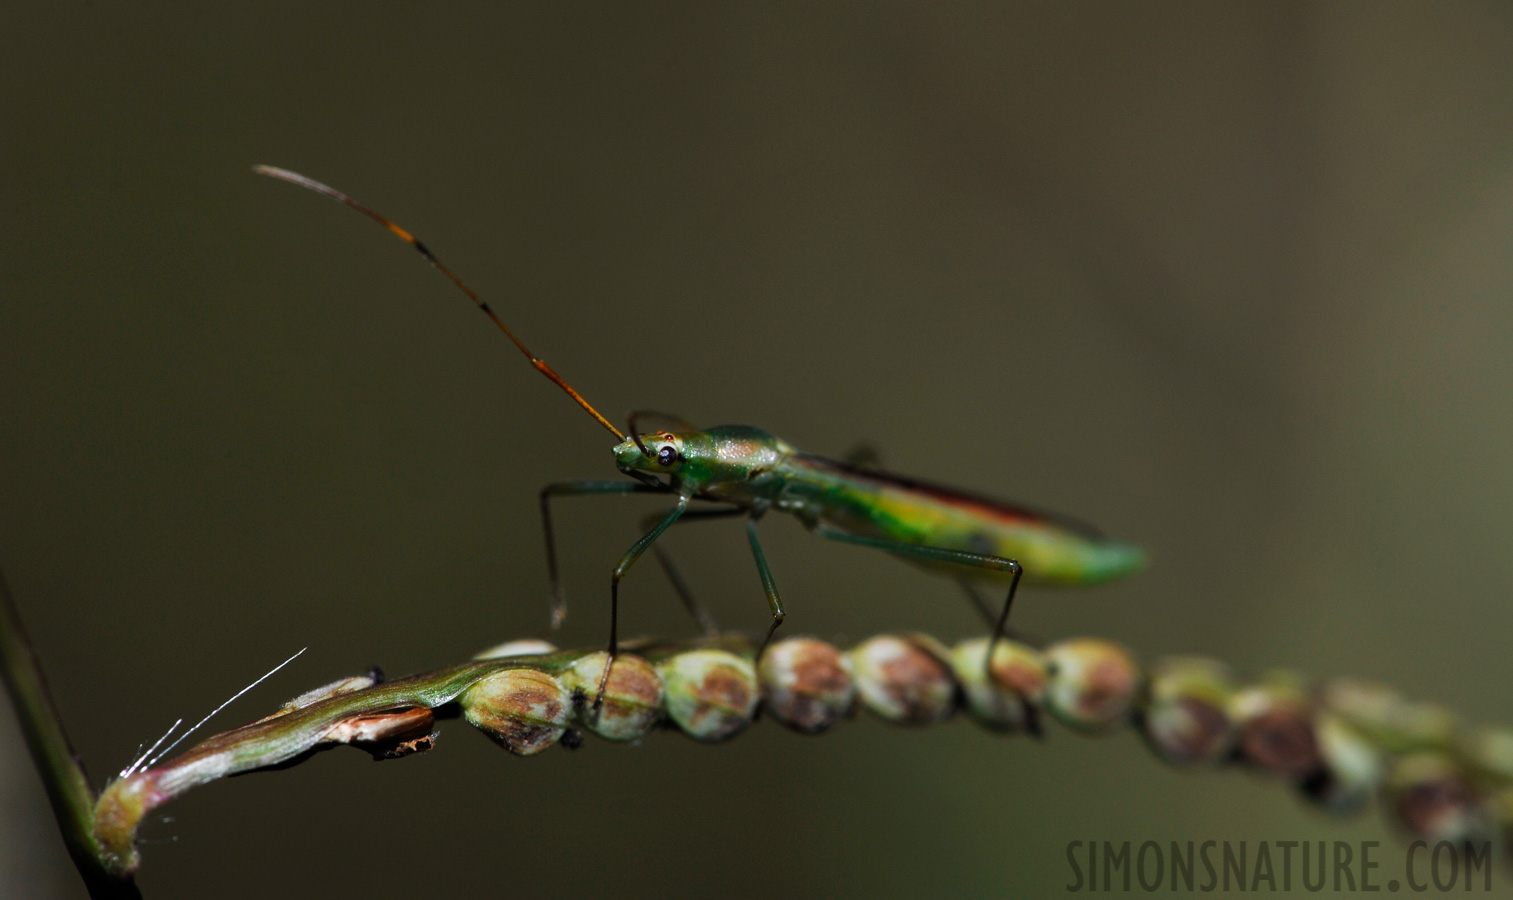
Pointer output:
x,y
631,555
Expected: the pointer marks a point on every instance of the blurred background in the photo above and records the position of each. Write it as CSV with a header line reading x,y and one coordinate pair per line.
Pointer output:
x,y
1230,281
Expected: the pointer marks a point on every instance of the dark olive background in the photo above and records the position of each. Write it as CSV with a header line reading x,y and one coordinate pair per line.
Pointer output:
x,y
1228,280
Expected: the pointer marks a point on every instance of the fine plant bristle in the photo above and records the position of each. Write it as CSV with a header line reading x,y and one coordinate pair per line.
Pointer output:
x,y
126,772
166,750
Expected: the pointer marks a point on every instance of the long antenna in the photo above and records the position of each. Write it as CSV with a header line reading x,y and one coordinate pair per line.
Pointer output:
x,y
536,361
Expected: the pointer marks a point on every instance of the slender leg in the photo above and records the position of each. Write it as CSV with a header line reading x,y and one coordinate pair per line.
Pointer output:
x,y
685,593
576,489
631,555
977,601
769,586
691,603
941,554
980,603
1031,713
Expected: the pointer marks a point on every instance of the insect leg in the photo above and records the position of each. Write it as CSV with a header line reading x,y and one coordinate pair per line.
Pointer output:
x,y
1031,712
695,609
576,489
941,554
980,603
774,602
631,555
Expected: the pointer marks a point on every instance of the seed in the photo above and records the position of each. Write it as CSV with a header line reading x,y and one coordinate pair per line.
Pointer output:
x,y
711,694
904,680
1092,683
806,685
524,709
633,697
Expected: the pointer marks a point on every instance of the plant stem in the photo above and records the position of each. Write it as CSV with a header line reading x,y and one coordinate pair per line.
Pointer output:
x,y
1337,743
63,777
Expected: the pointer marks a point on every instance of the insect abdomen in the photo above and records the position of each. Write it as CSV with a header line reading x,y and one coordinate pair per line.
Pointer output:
x,y
881,506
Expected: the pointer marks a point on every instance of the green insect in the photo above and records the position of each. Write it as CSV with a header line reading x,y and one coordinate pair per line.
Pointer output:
x,y
750,472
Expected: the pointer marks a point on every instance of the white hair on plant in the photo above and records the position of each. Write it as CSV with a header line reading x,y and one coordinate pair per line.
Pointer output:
x,y
139,765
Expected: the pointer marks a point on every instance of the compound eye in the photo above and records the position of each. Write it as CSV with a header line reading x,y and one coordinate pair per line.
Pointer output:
x,y
667,455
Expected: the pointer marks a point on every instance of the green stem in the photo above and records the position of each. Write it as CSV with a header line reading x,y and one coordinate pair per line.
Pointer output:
x,y
275,740
67,787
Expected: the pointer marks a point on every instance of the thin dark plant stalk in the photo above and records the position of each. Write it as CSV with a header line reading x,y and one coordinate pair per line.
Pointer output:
x,y
63,777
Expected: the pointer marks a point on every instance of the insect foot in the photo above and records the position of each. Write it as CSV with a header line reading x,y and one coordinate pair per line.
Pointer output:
x,y
633,696
1007,696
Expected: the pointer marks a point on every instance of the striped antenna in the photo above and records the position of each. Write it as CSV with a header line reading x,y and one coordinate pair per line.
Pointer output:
x,y
536,361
